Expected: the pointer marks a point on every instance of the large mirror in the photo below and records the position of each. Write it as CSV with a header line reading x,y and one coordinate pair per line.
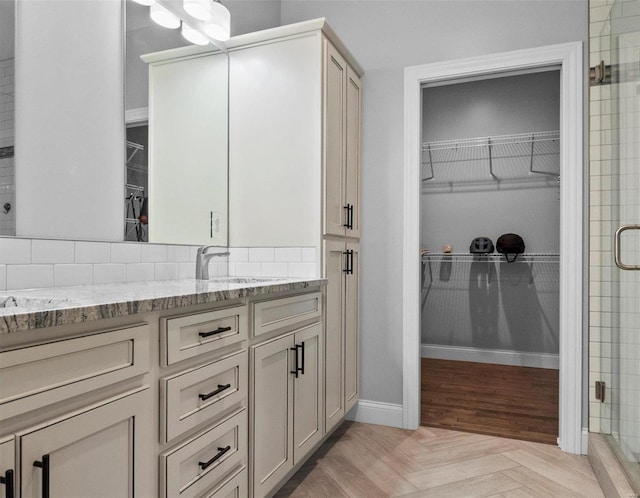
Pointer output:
x,y
74,176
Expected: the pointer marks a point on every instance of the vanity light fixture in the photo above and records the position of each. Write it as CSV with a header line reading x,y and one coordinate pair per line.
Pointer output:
x,y
219,27
163,17
193,35
198,9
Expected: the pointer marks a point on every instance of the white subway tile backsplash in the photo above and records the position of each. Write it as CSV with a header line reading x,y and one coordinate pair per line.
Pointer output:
x,y
29,276
52,251
302,270
178,254
248,270
166,271
186,270
261,254
153,253
126,253
308,254
109,273
238,254
288,254
140,272
72,274
15,251
275,270
92,252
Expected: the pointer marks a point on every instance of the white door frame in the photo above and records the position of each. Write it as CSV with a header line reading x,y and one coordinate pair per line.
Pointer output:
x,y
569,57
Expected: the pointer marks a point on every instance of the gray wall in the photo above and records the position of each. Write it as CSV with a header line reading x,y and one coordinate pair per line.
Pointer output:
x,y
386,36
476,205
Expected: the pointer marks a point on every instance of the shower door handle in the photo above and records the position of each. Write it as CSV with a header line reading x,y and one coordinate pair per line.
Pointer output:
x,y
617,247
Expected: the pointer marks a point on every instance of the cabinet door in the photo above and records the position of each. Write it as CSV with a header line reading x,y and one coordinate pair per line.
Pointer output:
x,y
334,126
7,468
272,412
352,152
93,453
334,355
307,391
351,339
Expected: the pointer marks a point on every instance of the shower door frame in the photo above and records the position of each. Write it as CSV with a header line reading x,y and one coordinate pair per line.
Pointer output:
x,y
569,58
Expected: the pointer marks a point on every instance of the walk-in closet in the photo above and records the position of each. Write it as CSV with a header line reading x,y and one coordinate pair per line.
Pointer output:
x,y
489,323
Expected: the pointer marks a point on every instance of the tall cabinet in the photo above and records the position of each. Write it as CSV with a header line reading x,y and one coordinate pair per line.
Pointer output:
x,y
294,173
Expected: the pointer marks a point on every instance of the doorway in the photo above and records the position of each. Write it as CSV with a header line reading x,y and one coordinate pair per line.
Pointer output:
x,y
569,58
490,165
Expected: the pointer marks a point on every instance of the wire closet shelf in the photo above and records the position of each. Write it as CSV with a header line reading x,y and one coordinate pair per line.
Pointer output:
x,y
538,151
494,257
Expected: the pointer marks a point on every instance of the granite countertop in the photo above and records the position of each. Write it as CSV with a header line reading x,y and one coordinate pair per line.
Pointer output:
x,y
39,308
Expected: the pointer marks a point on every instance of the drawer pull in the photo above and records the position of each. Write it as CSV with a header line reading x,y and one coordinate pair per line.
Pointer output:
x,y
219,330
221,451
221,388
44,465
7,480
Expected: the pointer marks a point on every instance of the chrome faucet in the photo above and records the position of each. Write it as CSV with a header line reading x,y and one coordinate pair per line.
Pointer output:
x,y
202,261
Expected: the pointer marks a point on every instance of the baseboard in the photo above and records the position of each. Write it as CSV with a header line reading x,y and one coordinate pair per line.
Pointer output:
x,y
376,412
497,356
585,441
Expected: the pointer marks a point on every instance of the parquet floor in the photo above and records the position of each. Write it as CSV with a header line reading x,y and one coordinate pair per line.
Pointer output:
x,y
499,400
363,460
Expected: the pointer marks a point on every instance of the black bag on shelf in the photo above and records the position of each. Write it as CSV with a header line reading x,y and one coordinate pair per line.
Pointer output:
x,y
510,244
481,245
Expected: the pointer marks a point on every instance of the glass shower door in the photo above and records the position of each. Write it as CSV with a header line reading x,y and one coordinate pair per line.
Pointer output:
x,y
625,209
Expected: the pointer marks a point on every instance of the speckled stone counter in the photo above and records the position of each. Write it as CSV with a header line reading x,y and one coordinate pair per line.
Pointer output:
x,y
39,308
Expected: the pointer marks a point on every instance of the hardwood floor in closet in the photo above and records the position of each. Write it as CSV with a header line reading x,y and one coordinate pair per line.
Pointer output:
x,y
367,461
499,400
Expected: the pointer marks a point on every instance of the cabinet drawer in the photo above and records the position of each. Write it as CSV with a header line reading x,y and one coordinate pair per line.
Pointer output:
x,y
47,373
222,384
234,486
191,335
182,467
277,313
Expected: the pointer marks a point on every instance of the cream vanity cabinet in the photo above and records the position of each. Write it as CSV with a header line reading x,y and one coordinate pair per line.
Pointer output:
x,y
295,99
287,387
203,403
342,341
7,467
98,442
342,143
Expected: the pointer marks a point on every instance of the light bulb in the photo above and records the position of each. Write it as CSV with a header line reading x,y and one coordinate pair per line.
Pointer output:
x,y
219,27
193,36
200,9
146,3
163,17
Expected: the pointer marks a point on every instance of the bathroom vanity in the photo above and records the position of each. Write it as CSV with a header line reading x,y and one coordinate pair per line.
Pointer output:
x,y
183,389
